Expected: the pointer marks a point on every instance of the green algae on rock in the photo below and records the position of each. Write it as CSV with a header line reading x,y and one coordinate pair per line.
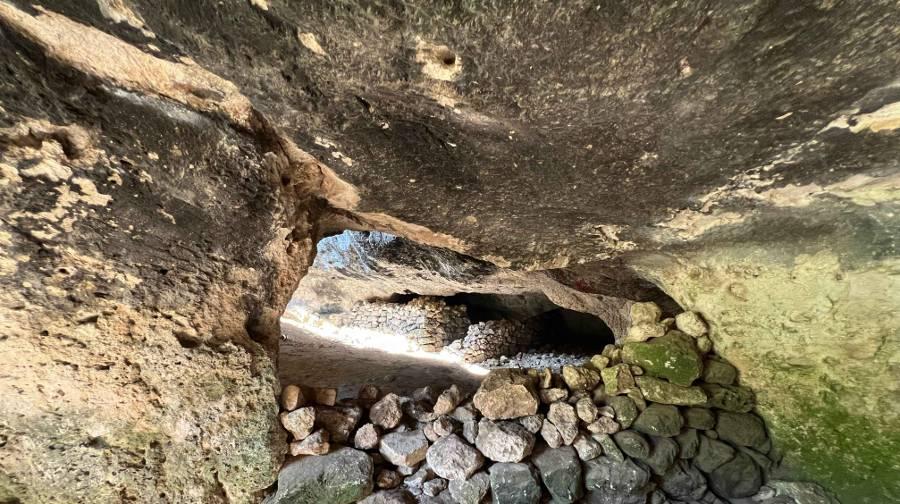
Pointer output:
x,y
673,357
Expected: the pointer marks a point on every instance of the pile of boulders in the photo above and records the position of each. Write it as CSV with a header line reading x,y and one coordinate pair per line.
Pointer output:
x,y
492,338
428,323
659,419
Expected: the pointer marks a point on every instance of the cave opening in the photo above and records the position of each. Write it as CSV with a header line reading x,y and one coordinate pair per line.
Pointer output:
x,y
358,317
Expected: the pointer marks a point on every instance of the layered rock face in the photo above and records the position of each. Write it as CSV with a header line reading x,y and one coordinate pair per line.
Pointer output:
x,y
167,168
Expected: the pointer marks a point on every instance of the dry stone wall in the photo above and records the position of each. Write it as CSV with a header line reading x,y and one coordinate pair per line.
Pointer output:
x,y
428,323
661,420
493,338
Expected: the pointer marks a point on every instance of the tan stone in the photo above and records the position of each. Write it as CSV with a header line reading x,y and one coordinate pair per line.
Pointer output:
x,y
506,394
292,398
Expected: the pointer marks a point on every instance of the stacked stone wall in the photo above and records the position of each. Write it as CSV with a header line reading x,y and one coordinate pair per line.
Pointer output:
x,y
428,323
493,338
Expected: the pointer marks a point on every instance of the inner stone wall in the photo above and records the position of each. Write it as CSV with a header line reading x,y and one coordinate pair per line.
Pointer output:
x,y
493,338
428,323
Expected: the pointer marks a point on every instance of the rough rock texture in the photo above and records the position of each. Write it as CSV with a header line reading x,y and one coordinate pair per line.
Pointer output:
x,y
741,156
341,477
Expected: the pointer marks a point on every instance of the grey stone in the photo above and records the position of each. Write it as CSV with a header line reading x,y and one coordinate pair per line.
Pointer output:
x,y
387,412
465,412
452,458
403,448
506,394
803,492
610,448
699,418
739,477
434,487
341,477
532,423
729,397
632,444
551,434
503,441
470,431
566,421
719,372
619,476
587,447
420,476
683,481
560,470
688,443
663,453
626,410
711,454
395,496
514,484
472,490
659,420
445,425
742,429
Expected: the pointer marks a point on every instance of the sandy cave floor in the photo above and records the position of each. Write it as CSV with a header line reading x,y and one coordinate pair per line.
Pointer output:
x,y
314,360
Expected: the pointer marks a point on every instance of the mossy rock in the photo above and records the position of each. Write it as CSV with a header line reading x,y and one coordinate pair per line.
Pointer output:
x,y
673,357
661,391
341,477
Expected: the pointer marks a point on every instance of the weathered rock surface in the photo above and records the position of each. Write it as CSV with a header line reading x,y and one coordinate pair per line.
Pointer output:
x,y
580,378
403,448
712,453
673,357
659,420
514,484
699,418
565,420
739,477
663,392
316,443
366,437
505,394
625,409
503,441
342,477
632,444
452,458
472,490
387,411
764,199
339,421
560,470
613,476
742,429
299,422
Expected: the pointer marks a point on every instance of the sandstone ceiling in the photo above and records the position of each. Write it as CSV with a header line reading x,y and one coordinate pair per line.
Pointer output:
x,y
168,166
